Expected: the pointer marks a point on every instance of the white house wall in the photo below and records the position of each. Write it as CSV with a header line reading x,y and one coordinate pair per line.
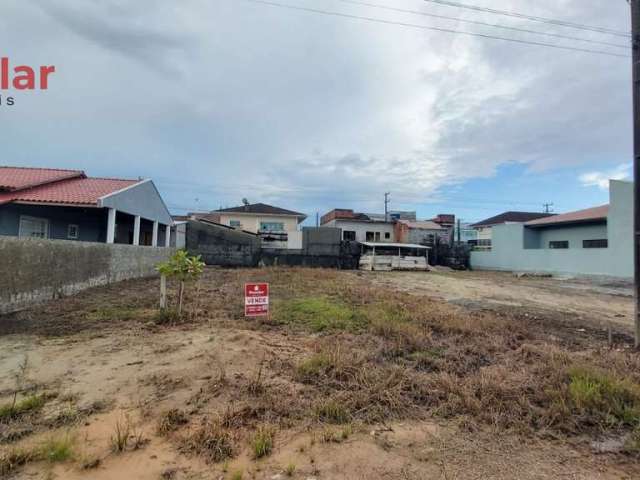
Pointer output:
x,y
509,241
141,199
251,223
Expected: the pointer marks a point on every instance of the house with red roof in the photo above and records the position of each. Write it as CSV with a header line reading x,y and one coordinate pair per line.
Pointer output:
x,y
68,205
591,241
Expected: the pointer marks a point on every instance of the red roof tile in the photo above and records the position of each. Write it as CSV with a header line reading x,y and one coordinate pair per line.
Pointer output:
x,y
74,191
586,215
18,178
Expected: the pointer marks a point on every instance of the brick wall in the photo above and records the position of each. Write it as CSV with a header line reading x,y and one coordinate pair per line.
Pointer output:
x,y
34,270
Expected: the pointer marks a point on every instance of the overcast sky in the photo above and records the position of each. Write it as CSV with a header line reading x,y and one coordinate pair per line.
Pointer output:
x,y
217,100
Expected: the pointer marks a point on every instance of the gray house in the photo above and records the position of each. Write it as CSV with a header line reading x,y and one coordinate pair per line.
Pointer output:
x,y
66,204
593,241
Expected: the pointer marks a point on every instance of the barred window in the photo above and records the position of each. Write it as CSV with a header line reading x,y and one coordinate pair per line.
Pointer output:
x,y
599,243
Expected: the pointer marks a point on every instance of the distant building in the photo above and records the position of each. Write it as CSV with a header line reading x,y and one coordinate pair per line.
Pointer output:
x,y
593,241
277,227
68,205
359,227
484,227
467,235
424,232
392,216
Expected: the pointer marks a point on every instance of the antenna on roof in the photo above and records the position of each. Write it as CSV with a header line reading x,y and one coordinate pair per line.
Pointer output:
x,y
548,207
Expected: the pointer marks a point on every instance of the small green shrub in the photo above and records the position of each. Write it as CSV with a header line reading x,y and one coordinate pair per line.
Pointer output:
x,y
237,475
262,442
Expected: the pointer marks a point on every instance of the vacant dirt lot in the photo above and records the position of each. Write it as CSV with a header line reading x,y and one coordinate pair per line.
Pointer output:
x,y
596,302
354,376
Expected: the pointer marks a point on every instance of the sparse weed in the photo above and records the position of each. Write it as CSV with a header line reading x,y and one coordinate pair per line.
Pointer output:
x,y
121,433
237,475
89,462
171,420
57,448
256,384
331,411
262,441
21,407
330,360
605,398
290,469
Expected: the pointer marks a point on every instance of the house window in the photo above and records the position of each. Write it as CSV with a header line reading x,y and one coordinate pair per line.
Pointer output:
x,y
377,236
387,235
349,235
32,227
370,236
272,227
600,243
73,232
559,244
235,223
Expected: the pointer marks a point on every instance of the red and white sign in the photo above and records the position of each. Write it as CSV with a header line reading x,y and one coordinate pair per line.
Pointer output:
x,y
256,299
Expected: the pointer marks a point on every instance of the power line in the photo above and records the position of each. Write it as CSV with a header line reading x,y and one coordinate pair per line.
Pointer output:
x,y
533,18
485,24
437,29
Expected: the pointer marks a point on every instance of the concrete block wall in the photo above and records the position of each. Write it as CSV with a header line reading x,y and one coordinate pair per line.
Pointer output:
x,y
35,270
220,245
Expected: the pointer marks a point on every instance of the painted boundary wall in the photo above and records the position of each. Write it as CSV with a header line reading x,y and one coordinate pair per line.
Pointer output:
x,y
508,252
34,270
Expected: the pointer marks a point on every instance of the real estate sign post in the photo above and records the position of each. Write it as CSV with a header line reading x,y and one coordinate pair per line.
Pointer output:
x,y
256,299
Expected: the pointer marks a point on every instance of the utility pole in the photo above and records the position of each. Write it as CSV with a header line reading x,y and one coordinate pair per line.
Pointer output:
x,y
635,38
547,207
459,231
386,206
317,219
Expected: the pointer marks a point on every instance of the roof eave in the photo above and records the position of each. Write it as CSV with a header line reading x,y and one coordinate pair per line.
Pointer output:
x,y
567,222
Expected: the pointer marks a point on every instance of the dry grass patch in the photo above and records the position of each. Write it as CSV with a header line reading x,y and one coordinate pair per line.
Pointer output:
x,y
211,441
13,459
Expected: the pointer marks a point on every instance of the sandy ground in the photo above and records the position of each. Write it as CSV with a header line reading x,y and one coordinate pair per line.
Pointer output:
x,y
595,302
140,371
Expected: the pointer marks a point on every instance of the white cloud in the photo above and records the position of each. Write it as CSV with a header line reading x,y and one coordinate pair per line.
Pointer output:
x,y
224,99
601,179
